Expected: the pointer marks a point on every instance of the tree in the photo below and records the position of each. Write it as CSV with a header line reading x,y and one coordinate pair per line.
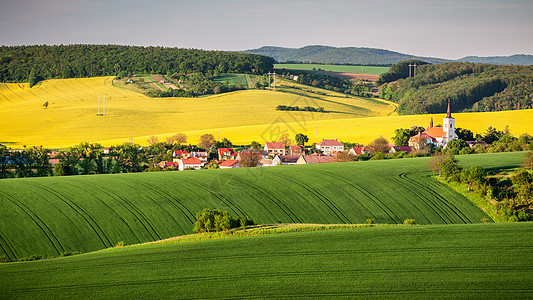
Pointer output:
x,y
225,143
63,169
464,134
249,159
32,79
152,140
436,160
255,146
206,141
450,168
528,160
213,219
179,138
401,137
416,130
455,146
491,135
345,157
45,105
285,140
378,145
473,176
301,139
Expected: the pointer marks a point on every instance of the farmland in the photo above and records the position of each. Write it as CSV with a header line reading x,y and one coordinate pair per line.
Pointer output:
x,y
335,68
423,262
72,107
47,216
247,115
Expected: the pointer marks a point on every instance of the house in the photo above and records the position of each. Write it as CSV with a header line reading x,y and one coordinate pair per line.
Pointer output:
x,y
203,156
296,150
265,162
107,150
285,160
229,164
168,164
437,136
358,151
314,159
473,144
328,146
226,153
275,148
396,149
181,154
193,162
263,153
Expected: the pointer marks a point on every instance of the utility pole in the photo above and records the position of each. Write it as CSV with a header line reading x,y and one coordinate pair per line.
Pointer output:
x,y
98,114
414,69
274,81
269,80
104,105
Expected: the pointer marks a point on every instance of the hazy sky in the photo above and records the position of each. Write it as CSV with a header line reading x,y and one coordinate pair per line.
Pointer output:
x,y
445,28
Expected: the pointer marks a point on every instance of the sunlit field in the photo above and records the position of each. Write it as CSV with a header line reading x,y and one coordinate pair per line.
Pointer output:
x,y
242,116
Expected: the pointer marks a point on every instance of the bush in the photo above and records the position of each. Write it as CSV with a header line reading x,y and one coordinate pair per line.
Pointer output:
x,y
216,220
370,221
120,244
409,222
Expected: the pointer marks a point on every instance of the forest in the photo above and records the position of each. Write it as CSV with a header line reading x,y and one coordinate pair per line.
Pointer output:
x,y
470,87
34,63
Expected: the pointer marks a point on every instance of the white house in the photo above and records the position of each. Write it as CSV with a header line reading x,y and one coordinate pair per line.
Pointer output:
x,y
330,146
192,162
275,148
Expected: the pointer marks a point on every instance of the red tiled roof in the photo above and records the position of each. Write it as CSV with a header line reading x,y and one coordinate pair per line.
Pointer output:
x,y
359,150
180,152
436,132
228,163
330,143
225,150
191,161
416,137
274,145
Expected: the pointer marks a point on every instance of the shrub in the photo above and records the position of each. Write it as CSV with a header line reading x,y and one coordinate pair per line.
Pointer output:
x,y
370,221
120,244
409,222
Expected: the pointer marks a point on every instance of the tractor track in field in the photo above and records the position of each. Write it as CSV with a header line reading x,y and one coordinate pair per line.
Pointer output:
x,y
82,213
133,210
282,206
352,272
38,221
450,207
3,242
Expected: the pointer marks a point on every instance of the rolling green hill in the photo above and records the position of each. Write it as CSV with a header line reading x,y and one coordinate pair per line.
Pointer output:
x,y
416,262
48,216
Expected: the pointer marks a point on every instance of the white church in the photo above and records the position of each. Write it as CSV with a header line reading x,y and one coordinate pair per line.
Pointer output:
x,y
438,136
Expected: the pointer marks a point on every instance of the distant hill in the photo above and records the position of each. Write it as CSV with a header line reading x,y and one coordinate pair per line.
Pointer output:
x,y
371,56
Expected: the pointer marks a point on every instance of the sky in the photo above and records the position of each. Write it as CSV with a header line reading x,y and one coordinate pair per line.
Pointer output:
x,y
446,29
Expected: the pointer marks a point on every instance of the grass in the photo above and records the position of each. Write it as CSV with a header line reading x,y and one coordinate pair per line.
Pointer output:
x,y
71,115
234,79
335,68
48,216
422,262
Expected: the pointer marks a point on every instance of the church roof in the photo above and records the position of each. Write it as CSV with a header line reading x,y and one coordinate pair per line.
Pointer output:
x,y
436,132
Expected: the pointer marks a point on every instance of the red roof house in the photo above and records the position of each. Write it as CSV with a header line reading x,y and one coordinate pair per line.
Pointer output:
x,y
274,148
192,162
226,153
328,146
228,164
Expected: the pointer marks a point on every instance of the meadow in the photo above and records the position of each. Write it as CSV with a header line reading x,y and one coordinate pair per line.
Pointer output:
x,y
335,68
416,262
48,216
71,116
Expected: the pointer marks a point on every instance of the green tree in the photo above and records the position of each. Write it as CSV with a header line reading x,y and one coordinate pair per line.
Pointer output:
x,y
528,160
454,146
255,146
464,134
32,79
401,137
450,168
491,135
473,176
301,139
378,145
436,160
213,220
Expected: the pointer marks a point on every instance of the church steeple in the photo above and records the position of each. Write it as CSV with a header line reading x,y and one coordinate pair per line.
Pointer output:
x,y
449,115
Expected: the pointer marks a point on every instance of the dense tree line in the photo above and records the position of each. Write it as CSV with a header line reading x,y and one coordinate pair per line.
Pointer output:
x,y
34,63
470,87
297,108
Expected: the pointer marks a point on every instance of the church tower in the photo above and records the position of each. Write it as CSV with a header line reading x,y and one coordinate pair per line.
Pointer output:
x,y
448,124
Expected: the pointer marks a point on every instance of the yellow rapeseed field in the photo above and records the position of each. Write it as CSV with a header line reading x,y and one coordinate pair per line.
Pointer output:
x,y
242,116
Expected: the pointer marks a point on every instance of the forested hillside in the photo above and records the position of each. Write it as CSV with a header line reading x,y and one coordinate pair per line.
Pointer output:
x,y
34,63
345,55
470,87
